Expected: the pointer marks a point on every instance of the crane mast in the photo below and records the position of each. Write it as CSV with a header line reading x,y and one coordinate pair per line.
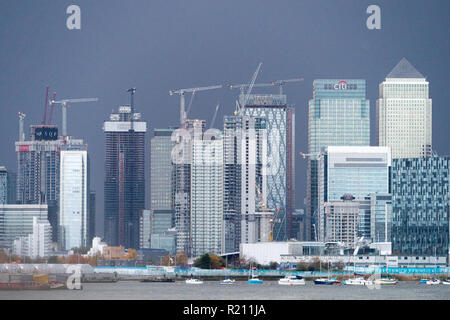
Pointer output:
x,y
182,93
64,103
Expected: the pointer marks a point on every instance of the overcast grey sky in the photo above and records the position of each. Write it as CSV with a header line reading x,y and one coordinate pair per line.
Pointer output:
x,y
156,45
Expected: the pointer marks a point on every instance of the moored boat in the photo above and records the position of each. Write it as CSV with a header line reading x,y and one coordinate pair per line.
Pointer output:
x,y
194,281
292,281
326,281
227,280
386,281
358,281
433,281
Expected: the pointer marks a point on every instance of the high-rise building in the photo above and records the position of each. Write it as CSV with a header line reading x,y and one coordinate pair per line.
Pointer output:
x,y
124,177
181,158
338,115
3,185
74,199
16,220
91,217
280,173
380,217
12,189
420,206
404,113
358,171
207,224
342,220
161,170
232,157
145,229
38,169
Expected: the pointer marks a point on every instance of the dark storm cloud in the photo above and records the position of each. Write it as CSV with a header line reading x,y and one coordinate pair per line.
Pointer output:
x,y
158,45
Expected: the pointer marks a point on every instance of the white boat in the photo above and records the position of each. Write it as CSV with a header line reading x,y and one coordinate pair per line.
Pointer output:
x,y
326,281
194,281
433,281
386,281
227,280
292,281
358,281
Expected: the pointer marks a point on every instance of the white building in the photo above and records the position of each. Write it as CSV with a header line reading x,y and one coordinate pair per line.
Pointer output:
x,y
404,112
73,199
253,180
97,246
16,220
207,223
37,244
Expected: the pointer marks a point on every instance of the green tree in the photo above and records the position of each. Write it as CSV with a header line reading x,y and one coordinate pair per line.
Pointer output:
x,y
53,259
203,262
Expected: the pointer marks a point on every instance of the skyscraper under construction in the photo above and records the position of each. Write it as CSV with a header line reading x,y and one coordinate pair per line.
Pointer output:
x,y
38,163
280,169
124,177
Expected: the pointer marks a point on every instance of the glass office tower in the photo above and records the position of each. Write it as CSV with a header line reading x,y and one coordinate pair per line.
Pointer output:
x,y
3,185
339,115
421,206
280,169
74,199
404,113
161,169
124,177
358,171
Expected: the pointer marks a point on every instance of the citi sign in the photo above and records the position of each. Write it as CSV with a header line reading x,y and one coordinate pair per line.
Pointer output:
x,y
341,85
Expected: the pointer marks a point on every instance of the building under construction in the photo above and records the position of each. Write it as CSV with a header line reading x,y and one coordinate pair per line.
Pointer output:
x,y
191,130
280,126
38,175
124,177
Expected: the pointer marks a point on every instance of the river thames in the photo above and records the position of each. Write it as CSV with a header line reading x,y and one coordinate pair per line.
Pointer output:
x,y
213,290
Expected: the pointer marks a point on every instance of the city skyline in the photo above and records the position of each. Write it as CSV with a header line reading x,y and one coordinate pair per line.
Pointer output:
x,y
151,96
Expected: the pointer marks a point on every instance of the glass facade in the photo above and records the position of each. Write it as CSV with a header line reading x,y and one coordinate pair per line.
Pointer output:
x,y
358,171
124,185
17,221
280,130
420,206
74,199
3,185
339,115
161,169
375,217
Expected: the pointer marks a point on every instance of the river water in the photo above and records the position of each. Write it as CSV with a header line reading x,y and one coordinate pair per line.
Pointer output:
x,y
213,290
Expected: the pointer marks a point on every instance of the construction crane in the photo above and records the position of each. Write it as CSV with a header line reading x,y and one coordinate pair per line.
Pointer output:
x,y
182,92
51,108
132,92
250,87
215,115
273,83
45,107
64,104
21,133
357,245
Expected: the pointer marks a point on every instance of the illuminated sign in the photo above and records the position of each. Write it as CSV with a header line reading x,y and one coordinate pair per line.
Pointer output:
x,y
24,148
45,133
341,85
